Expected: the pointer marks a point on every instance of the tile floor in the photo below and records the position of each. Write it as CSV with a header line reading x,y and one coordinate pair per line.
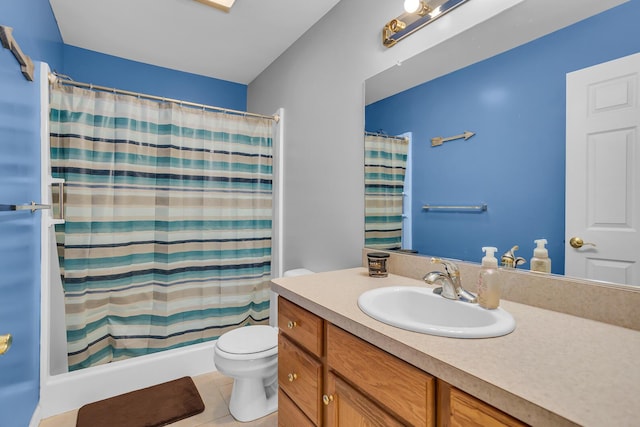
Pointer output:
x,y
215,390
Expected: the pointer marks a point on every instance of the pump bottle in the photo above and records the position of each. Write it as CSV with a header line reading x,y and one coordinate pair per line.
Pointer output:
x,y
489,280
541,261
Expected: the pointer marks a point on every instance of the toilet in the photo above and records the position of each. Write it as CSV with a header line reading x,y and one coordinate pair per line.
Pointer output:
x,y
249,355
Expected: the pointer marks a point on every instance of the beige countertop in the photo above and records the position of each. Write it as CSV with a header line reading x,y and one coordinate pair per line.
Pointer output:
x,y
554,369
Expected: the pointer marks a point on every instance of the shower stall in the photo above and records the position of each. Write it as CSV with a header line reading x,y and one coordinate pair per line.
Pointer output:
x,y
168,235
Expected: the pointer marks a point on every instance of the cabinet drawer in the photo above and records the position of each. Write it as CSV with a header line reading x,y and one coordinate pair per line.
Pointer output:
x,y
301,326
403,389
300,377
289,415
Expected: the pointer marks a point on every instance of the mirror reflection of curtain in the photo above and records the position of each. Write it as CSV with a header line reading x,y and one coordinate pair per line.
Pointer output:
x,y
168,209
385,167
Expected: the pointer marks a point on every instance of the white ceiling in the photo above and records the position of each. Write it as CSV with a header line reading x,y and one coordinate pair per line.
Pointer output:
x,y
188,36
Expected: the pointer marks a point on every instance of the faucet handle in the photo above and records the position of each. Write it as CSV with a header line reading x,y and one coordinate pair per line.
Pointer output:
x,y
510,260
450,267
452,288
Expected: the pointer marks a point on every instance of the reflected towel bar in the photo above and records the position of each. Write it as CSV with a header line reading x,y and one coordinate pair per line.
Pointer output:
x,y
465,208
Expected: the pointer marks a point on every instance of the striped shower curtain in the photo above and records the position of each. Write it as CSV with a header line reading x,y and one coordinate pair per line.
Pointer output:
x,y
167,239
384,168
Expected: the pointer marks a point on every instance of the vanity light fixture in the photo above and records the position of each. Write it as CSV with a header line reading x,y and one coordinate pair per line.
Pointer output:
x,y
224,5
418,13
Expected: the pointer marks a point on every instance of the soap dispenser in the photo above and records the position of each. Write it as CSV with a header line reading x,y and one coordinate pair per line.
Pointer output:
x,y
489,280
541,261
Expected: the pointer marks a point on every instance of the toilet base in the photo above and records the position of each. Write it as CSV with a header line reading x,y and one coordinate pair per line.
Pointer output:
x,y
251,399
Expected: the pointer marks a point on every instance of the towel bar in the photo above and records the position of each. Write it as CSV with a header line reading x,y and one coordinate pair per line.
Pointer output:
x,y
475,208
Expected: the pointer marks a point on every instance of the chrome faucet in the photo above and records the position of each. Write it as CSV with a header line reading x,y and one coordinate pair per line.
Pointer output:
x,y
450,281
510,260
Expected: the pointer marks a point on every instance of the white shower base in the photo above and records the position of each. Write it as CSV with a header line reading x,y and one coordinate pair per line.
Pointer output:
x,y
64,392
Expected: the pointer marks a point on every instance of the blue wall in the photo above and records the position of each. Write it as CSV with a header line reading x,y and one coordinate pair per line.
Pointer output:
x,y
105,70
515,102
37,34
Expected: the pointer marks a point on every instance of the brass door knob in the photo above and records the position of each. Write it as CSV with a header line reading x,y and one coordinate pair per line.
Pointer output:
x,y
5,343
292,324
577,242
326,399
292,377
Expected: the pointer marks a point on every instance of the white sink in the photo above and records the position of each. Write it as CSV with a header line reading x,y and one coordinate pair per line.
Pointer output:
x,y
418,309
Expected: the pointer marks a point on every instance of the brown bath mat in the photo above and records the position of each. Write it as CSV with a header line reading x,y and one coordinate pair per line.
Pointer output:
x,y
153,406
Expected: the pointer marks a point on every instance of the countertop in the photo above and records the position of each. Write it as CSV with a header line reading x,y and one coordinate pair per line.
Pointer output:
x,y
553,370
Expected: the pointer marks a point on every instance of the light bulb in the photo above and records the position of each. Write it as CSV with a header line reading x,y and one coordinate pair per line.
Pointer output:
x,y
412,6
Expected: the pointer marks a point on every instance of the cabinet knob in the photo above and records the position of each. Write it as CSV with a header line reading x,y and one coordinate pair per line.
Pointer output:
x,y
292,324
292,377
5,343
326,399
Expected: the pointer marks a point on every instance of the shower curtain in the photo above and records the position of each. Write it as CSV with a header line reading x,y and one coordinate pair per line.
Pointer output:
x,y
167,239
385,166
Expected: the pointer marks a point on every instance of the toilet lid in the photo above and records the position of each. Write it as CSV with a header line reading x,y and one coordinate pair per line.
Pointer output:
x,y
249,339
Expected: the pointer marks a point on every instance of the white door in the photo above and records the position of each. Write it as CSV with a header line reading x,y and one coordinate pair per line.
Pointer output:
x,y
603,172
407,228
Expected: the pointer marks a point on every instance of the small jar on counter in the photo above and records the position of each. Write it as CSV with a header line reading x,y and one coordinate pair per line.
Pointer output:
x,y
378,264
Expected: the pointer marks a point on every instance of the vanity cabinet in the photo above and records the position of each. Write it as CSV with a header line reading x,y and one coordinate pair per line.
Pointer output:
x,y
329,377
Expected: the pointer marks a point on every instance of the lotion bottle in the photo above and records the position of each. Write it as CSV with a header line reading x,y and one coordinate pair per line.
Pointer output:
x,y
489,280
541,261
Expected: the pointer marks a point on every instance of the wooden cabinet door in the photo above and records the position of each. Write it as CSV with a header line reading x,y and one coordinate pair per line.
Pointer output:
x,y
400,388
347,407
459,409
289,415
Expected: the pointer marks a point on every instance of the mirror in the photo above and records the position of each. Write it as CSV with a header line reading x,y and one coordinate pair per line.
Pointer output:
x,y
515,104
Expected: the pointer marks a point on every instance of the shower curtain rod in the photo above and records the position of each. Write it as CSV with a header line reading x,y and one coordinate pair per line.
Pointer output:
x,y
53,78
399,138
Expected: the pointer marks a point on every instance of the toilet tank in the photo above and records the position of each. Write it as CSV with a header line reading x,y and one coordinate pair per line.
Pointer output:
x,y
273,314
297,272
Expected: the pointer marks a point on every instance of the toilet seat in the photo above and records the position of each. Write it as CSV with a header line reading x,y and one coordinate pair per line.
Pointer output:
x,y
249,340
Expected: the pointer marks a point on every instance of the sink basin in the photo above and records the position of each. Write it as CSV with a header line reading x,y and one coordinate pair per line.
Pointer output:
x,y
418,309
